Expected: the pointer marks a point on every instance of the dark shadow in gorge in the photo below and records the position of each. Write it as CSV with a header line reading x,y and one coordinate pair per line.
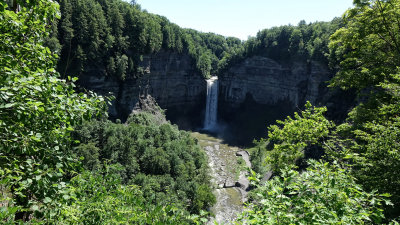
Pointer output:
x,y
239,126
187,118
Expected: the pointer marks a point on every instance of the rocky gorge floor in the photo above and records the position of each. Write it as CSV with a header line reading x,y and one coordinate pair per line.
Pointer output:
x,y
228,166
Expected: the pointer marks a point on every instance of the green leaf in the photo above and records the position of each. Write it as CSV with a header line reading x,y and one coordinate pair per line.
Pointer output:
x,y
66,197
2,6
47,200
8,105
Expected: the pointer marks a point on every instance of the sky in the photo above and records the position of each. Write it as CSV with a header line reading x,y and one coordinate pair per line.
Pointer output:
x,y
239,18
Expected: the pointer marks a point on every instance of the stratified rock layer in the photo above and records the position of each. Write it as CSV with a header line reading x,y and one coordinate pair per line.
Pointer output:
x,y
269,82
259,90
170,78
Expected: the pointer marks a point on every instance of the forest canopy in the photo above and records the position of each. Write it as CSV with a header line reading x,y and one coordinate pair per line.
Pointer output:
x,y
114,35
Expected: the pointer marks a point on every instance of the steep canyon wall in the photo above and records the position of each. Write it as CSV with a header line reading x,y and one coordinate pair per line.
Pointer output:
x,y
269,82
253,93
170,78
259,90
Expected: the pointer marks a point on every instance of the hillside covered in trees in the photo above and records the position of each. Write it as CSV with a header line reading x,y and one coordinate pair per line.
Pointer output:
x,y
114,35
63,162
356,181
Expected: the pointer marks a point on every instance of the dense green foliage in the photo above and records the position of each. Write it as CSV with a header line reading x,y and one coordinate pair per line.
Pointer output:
x,y
368,54
147,171
365,53
288,144
304,42
41,177
114,35
166,163
345,191
290,141
38,110
101,198
367,49
324,194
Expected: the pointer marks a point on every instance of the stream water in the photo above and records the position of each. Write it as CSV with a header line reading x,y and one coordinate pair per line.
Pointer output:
x,y
228,170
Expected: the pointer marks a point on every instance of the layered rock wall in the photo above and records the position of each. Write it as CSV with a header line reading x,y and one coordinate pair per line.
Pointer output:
x,y
170,78
259,90
252,94
269,82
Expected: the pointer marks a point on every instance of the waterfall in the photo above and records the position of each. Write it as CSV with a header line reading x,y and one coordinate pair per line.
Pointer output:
x,y
210,121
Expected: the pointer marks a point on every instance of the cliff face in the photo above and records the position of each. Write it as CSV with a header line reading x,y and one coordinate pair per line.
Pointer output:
x,y
259,90
252,94
268,82
170,78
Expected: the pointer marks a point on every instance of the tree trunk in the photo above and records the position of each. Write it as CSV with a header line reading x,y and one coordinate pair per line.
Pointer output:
x,y
15,6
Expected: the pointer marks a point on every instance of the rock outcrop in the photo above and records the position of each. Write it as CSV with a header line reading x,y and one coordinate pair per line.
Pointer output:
x,y
147,104
170,78
259,90
269,82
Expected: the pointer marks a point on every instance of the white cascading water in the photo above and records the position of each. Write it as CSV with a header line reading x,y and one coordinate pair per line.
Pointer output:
x,y
210,121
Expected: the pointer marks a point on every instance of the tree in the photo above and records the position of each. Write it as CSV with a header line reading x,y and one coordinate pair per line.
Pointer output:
x,y
38,110
166,163
66,32
366,52
121,65
296,42
204,64
323,194
108,201
297,134
370,144
367,49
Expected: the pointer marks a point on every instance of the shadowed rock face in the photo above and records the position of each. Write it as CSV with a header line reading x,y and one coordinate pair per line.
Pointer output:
x,y
170,78
259,90
269,82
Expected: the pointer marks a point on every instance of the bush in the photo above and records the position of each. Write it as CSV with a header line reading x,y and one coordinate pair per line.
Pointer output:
x,y
323,194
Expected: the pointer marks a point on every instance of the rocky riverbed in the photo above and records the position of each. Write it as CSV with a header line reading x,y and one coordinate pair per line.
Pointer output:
x,y
229,169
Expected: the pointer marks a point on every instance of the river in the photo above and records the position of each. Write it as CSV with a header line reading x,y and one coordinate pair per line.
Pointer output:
x,y
228,166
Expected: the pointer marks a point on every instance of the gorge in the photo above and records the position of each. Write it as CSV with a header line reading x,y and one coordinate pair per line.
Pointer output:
x,y
263,79
112,115
251,94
